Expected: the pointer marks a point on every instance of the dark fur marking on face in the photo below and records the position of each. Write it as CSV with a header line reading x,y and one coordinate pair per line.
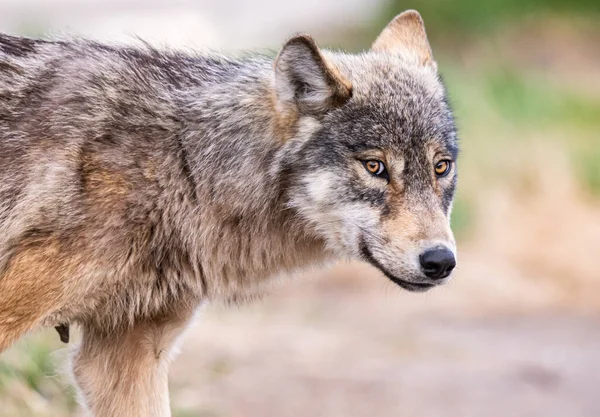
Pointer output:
x,y
448,194
386,211
374,196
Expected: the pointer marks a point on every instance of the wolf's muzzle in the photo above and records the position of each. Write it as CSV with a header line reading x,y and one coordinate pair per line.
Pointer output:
x,y
410,286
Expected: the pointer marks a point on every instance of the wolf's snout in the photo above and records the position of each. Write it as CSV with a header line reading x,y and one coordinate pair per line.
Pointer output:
x,y
437,263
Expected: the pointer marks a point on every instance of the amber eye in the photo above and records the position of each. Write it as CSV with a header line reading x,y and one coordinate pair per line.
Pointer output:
x,y
442,168
375,167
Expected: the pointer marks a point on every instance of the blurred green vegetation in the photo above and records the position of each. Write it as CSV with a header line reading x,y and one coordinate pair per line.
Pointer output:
x,y
462,216
30,383
575,116
588,166
515,103
467,17
529,100
499,111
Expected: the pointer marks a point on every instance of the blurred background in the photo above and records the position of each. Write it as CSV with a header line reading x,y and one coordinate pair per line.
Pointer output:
x,y
516,333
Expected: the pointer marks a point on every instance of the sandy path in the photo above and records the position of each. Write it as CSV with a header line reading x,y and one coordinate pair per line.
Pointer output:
x,y
368,349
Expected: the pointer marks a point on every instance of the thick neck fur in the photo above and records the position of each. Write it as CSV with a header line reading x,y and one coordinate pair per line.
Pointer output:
x,y
233,147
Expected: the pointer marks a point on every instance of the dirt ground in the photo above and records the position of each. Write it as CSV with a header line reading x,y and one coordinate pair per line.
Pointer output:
x,y
314,350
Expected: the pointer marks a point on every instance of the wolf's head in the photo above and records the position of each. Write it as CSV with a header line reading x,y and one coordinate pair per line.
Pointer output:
x,y
373,152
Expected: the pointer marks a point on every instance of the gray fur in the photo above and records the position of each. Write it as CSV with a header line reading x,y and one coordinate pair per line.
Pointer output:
x,y
159,179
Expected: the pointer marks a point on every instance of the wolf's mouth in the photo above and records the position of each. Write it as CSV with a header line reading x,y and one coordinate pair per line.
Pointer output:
x,y
409,286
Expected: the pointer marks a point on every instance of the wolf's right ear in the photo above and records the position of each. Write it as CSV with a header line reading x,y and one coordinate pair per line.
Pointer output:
x,y
304,78
406,34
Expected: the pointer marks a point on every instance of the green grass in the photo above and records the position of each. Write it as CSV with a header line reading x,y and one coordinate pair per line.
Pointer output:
x,y
459,18
528,100
501,109
528,103
587,166
462,220
30,383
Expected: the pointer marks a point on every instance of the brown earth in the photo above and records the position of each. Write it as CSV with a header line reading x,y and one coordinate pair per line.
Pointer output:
x,y
374,350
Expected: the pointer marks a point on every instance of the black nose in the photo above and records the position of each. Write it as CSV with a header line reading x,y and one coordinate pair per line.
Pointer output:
x,y
437,263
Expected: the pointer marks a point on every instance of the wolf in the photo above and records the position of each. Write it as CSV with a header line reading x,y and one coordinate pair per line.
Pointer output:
x,y
137,184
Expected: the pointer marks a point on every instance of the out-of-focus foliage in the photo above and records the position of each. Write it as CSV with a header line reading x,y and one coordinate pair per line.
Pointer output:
x,y
31,385
462,17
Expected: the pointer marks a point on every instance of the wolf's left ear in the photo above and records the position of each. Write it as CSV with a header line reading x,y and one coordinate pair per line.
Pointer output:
x,y
406,34
304,78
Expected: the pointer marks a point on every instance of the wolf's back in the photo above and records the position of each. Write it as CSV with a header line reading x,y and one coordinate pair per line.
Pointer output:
x,y
20,62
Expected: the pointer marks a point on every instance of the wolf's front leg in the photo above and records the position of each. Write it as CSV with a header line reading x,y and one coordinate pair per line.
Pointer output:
x,y
124,373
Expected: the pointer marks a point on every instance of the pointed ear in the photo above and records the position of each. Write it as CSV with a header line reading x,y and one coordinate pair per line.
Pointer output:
x,y
304,78
406,33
